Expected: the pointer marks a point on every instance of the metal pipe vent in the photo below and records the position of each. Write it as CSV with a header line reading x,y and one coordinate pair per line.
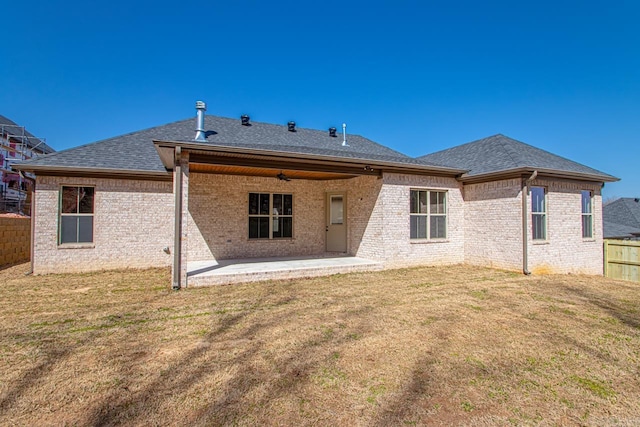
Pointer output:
x,y
201,107
344,135
291,126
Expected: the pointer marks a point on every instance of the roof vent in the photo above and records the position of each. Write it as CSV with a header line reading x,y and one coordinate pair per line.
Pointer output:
x,y
201,107
344,135
332,132
245,120
291,126
636,200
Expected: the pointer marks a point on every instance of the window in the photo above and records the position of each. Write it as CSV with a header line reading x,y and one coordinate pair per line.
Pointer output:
x,y
587,215
428,216
539,213
270,216
76,215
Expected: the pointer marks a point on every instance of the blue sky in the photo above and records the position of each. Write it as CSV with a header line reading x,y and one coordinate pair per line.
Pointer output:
x,y
415,76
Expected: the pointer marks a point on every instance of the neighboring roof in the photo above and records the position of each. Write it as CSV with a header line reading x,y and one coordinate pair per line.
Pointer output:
x,y
619,231
500,154
13,128
623,211
136,151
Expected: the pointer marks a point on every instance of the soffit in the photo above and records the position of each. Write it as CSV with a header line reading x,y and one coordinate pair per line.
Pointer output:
x,y
265,172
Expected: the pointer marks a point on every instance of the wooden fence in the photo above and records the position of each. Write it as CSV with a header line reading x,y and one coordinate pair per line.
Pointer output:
x,y
15,240
622,259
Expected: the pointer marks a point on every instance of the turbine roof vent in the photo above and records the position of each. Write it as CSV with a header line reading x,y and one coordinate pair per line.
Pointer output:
x,y
245,120
291,126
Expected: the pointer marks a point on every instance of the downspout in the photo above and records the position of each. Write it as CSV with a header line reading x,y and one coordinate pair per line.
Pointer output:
x,y
525,224
177,231
33,228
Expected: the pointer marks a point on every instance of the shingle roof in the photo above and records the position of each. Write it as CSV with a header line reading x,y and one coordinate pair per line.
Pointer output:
x,y
32,141
136,151
624,211
499,153
619,231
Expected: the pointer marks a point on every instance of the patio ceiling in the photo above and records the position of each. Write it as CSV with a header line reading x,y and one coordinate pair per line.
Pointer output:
x,y
211,158
258,165
266,172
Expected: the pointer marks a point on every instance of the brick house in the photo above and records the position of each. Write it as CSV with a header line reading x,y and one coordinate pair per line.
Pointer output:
x,y
233,189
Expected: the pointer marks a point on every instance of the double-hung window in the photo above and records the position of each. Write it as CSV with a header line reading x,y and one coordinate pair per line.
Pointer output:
x,y
587,214
270,216
428,214
76,214
539,213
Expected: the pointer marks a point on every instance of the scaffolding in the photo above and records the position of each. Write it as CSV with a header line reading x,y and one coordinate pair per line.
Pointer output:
x,y
17,145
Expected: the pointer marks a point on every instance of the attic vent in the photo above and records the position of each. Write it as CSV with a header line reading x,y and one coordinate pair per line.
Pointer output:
x,y
636,200
291,126
245,120
332,132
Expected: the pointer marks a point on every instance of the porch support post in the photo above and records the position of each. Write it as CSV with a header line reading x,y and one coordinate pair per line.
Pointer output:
x,y
184,218
177,231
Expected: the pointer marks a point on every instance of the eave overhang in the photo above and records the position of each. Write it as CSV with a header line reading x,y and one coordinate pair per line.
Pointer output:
x,y
240,156
542,172
41,170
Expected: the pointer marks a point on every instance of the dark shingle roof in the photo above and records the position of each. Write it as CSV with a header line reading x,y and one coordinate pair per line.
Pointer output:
x,y
624,211
619,231
133,151
136,151
499,153
12,127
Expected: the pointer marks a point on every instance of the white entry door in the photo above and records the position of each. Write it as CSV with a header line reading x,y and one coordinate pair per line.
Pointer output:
x,y
336,222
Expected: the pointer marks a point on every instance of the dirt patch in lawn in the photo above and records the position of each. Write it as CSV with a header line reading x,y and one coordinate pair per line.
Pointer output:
x,y
450,345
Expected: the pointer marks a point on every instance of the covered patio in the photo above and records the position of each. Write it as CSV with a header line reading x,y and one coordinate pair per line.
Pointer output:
x,y
296,195
212,272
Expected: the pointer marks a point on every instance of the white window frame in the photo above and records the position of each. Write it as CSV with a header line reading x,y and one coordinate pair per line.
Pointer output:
x,y
272,215
428,214
543,214
588,215
76,214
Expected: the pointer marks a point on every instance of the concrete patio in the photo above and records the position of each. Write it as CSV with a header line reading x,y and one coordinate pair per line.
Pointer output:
x,y
211,272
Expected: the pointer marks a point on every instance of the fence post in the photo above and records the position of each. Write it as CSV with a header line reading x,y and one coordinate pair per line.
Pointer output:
x,y
606,258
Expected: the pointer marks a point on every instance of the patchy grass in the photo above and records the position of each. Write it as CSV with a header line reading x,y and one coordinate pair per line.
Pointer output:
x,y
448,345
